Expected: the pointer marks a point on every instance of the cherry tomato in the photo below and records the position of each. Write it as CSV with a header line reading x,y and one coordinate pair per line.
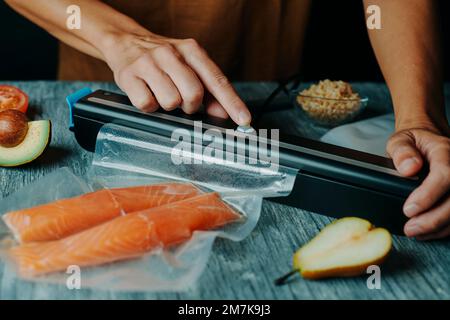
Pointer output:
x,y
13,98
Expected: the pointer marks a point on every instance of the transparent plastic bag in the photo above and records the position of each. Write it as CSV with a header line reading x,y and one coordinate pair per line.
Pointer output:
x,y
126,157
60,184
122,150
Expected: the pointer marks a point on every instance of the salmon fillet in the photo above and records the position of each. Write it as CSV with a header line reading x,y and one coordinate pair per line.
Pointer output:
x,y
126,236
62,218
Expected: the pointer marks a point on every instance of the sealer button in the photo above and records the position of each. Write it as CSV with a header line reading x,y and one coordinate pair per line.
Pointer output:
x,y
245,129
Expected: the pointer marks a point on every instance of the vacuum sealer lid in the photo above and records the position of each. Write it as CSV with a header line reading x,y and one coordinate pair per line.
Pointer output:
x,y
300,153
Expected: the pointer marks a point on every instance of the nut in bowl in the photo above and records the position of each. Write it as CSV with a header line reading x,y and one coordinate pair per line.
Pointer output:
x,y
330,103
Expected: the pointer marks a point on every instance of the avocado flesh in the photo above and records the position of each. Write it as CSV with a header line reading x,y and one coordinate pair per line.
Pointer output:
x,y
34,144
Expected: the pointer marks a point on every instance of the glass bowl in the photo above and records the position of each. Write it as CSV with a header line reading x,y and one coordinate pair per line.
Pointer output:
x,y
327,111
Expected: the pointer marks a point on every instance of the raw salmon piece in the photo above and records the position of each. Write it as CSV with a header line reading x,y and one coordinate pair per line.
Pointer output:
x,y
62,218
143,197
126,236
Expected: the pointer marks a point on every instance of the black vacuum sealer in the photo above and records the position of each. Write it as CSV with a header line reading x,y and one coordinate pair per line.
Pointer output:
x,y
331,180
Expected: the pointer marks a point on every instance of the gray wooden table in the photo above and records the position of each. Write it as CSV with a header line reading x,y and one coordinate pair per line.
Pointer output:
x,y
236,270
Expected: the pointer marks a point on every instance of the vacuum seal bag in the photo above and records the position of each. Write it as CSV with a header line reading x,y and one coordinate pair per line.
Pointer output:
x,y
187,157
138,222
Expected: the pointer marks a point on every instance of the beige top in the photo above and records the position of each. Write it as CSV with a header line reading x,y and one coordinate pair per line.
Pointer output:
x,y
248,39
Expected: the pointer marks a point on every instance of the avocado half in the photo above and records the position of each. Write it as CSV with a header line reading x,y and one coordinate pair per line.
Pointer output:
x,y
34,144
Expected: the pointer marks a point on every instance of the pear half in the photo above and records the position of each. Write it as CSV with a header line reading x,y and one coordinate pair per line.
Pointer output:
x,y
33,145
345,247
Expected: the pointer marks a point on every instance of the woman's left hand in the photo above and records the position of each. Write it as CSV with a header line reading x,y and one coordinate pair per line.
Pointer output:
x,y
428,207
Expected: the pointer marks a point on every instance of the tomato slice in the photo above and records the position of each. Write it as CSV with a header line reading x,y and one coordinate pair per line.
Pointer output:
x,y
13,98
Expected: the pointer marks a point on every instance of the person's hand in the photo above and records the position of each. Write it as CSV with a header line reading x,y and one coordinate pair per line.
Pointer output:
x,y
155,72
428,207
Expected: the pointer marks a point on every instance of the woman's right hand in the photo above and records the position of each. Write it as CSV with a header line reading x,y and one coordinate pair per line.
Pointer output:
x,y
155,72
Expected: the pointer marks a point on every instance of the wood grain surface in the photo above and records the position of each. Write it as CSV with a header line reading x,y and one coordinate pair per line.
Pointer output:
x,y
236,270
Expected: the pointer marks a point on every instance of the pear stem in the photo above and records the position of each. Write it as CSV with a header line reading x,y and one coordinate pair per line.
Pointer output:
x,y
282,280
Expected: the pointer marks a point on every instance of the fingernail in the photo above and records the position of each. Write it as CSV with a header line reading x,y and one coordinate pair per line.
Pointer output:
x,y
413,230
407,165
244,118
411,210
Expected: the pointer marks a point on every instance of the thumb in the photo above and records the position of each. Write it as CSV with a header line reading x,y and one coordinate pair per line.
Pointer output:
x,y
402,148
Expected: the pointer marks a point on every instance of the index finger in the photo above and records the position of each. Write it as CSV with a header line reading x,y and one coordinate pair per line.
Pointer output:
x,y
215,82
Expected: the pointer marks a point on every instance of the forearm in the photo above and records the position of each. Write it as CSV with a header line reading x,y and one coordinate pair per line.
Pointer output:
x,y
408,51
154,71
100,23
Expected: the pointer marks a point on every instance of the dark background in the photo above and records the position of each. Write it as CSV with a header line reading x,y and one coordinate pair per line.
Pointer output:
x,y
337,45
